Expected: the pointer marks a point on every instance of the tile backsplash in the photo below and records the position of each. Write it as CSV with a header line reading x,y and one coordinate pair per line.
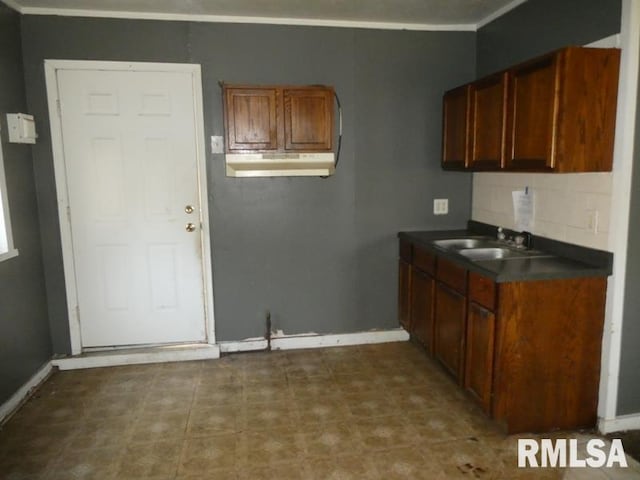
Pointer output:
x,y
566,205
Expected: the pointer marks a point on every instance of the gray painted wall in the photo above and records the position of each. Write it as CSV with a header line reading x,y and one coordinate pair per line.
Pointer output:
x,y
24,330
319,254
539,26
629,387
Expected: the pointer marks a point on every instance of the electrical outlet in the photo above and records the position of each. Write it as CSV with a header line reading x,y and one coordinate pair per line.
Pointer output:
x,y
440,206
592,220
217,145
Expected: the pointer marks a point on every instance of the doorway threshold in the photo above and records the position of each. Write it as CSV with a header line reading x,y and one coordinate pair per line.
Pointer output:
x,y
139,355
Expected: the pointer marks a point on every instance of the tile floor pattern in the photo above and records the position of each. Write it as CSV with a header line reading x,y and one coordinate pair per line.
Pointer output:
x,y
367,412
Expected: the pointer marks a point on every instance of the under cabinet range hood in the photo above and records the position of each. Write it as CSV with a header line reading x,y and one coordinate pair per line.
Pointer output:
x,y
280,164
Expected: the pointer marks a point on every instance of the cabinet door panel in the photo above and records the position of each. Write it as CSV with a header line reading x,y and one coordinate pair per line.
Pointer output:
x,y
308,120
422,295
251,116
455,128
488,123
450,316
478,376
482,290
534,112
404,294
452,275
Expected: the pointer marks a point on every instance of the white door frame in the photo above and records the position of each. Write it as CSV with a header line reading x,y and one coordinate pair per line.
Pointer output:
x,y
51,67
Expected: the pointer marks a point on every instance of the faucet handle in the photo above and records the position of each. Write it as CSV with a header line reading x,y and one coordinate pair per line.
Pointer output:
x,y
501,235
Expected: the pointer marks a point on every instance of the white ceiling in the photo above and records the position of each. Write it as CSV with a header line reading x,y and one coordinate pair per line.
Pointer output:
x,y
409,14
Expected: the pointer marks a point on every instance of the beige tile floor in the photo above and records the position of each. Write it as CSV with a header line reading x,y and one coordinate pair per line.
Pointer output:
x,y
368,412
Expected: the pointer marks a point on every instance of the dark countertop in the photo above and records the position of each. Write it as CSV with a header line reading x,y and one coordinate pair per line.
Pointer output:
x,y
552,260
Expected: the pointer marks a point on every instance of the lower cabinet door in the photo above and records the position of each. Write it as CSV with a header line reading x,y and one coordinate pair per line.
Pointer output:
x,y
479,354
450,316
422,296
404,294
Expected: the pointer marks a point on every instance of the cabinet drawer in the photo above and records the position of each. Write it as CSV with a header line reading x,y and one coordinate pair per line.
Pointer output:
x,y
452,275
482,290
406,251
424,260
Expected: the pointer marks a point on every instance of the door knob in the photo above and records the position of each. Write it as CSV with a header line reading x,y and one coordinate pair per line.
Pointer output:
x,y
188,209
190,227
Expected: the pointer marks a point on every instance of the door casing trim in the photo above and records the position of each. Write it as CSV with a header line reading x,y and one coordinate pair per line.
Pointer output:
x,y
52,66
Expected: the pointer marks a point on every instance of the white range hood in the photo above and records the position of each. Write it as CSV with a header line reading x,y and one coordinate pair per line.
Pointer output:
x,y
280,164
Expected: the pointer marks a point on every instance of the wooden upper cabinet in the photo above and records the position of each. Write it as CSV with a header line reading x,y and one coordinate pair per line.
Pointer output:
x,y
534,114
251,116
562,111
308,119
278,119
455,128
488,122
555,113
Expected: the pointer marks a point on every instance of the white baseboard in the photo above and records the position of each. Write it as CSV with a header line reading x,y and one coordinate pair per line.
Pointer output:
x,y
619,424
249,345
11,405
291,342
138,356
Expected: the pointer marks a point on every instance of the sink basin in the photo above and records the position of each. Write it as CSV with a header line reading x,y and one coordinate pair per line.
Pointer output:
x,y
494,253
464,243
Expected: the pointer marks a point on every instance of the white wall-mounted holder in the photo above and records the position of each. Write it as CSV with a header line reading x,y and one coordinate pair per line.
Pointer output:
x,y
22,128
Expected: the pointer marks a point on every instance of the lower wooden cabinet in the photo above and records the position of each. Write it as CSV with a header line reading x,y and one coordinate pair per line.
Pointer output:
x,y
404,294
450,319
422,303
527,351
479,348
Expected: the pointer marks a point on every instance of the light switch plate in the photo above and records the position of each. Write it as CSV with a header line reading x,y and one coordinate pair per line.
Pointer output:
x,y
440,206
217,144
22,128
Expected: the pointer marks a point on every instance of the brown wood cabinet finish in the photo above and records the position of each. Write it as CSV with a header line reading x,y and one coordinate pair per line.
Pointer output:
x,y
455,134
251,118
278,119
533,114
562,111
478,378
404,294
554,113
452,275
488,122
422,304
450,319
547,353
308,119
424,260
482,290
527,351
406,251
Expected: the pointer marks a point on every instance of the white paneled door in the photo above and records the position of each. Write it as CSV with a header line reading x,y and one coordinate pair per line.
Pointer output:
x,y
130,153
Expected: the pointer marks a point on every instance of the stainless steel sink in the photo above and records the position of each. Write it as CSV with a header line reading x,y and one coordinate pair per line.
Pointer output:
x,y
464,243
493,253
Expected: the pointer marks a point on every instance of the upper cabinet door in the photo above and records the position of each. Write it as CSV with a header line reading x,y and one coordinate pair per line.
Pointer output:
x,y
534,114
308,119
455,128
251,119
488,122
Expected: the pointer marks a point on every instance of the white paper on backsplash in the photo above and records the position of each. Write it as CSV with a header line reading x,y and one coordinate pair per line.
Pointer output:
x,y
523,209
